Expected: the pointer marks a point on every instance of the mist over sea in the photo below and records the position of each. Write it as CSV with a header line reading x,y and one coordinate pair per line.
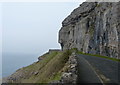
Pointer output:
x,y
13,61
28,27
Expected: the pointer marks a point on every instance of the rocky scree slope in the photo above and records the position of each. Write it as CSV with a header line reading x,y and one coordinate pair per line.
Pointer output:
x,y
93,28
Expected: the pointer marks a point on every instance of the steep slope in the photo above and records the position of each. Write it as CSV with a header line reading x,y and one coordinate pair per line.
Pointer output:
x,y
47,70
93,28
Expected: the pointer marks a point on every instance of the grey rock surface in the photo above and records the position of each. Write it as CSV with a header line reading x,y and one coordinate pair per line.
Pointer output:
x,y
93,28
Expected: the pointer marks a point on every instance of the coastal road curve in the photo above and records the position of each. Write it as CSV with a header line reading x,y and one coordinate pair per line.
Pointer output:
x,y
98,70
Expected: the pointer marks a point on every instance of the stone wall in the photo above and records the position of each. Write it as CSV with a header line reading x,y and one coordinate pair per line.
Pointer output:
x,y
70,75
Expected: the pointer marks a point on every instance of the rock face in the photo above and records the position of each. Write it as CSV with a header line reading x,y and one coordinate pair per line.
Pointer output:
x,y
93,28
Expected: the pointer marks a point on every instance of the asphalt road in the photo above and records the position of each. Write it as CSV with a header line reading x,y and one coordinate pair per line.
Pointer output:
x,y
93,69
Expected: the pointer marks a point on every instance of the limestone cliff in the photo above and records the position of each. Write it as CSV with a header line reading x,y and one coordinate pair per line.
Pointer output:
x,y
93,28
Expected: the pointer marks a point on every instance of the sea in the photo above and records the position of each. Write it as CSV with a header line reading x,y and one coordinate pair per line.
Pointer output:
x,y
14,61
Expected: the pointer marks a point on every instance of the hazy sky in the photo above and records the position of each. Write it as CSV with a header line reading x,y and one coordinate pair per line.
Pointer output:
x,y
0,28
0,41
32,28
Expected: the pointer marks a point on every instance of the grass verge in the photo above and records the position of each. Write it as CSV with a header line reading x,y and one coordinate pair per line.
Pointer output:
x,y
96,55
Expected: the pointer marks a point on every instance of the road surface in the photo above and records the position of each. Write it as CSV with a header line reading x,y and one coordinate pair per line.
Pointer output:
x,y
93,69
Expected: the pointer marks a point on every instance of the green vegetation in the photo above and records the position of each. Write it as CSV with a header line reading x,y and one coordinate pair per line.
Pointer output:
x,y
98,5
114,59
46,70
91,31
56,77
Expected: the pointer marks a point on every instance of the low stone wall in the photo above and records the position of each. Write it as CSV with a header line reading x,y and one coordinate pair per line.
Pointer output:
x,y
70,75
54,50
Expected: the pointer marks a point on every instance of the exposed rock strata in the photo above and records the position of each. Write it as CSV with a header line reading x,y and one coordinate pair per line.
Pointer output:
x,y
93,28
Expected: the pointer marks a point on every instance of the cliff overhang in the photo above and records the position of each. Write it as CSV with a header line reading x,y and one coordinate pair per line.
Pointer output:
x,y
93,28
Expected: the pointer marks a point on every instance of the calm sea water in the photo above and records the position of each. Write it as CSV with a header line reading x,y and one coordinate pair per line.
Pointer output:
x,y
12,62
